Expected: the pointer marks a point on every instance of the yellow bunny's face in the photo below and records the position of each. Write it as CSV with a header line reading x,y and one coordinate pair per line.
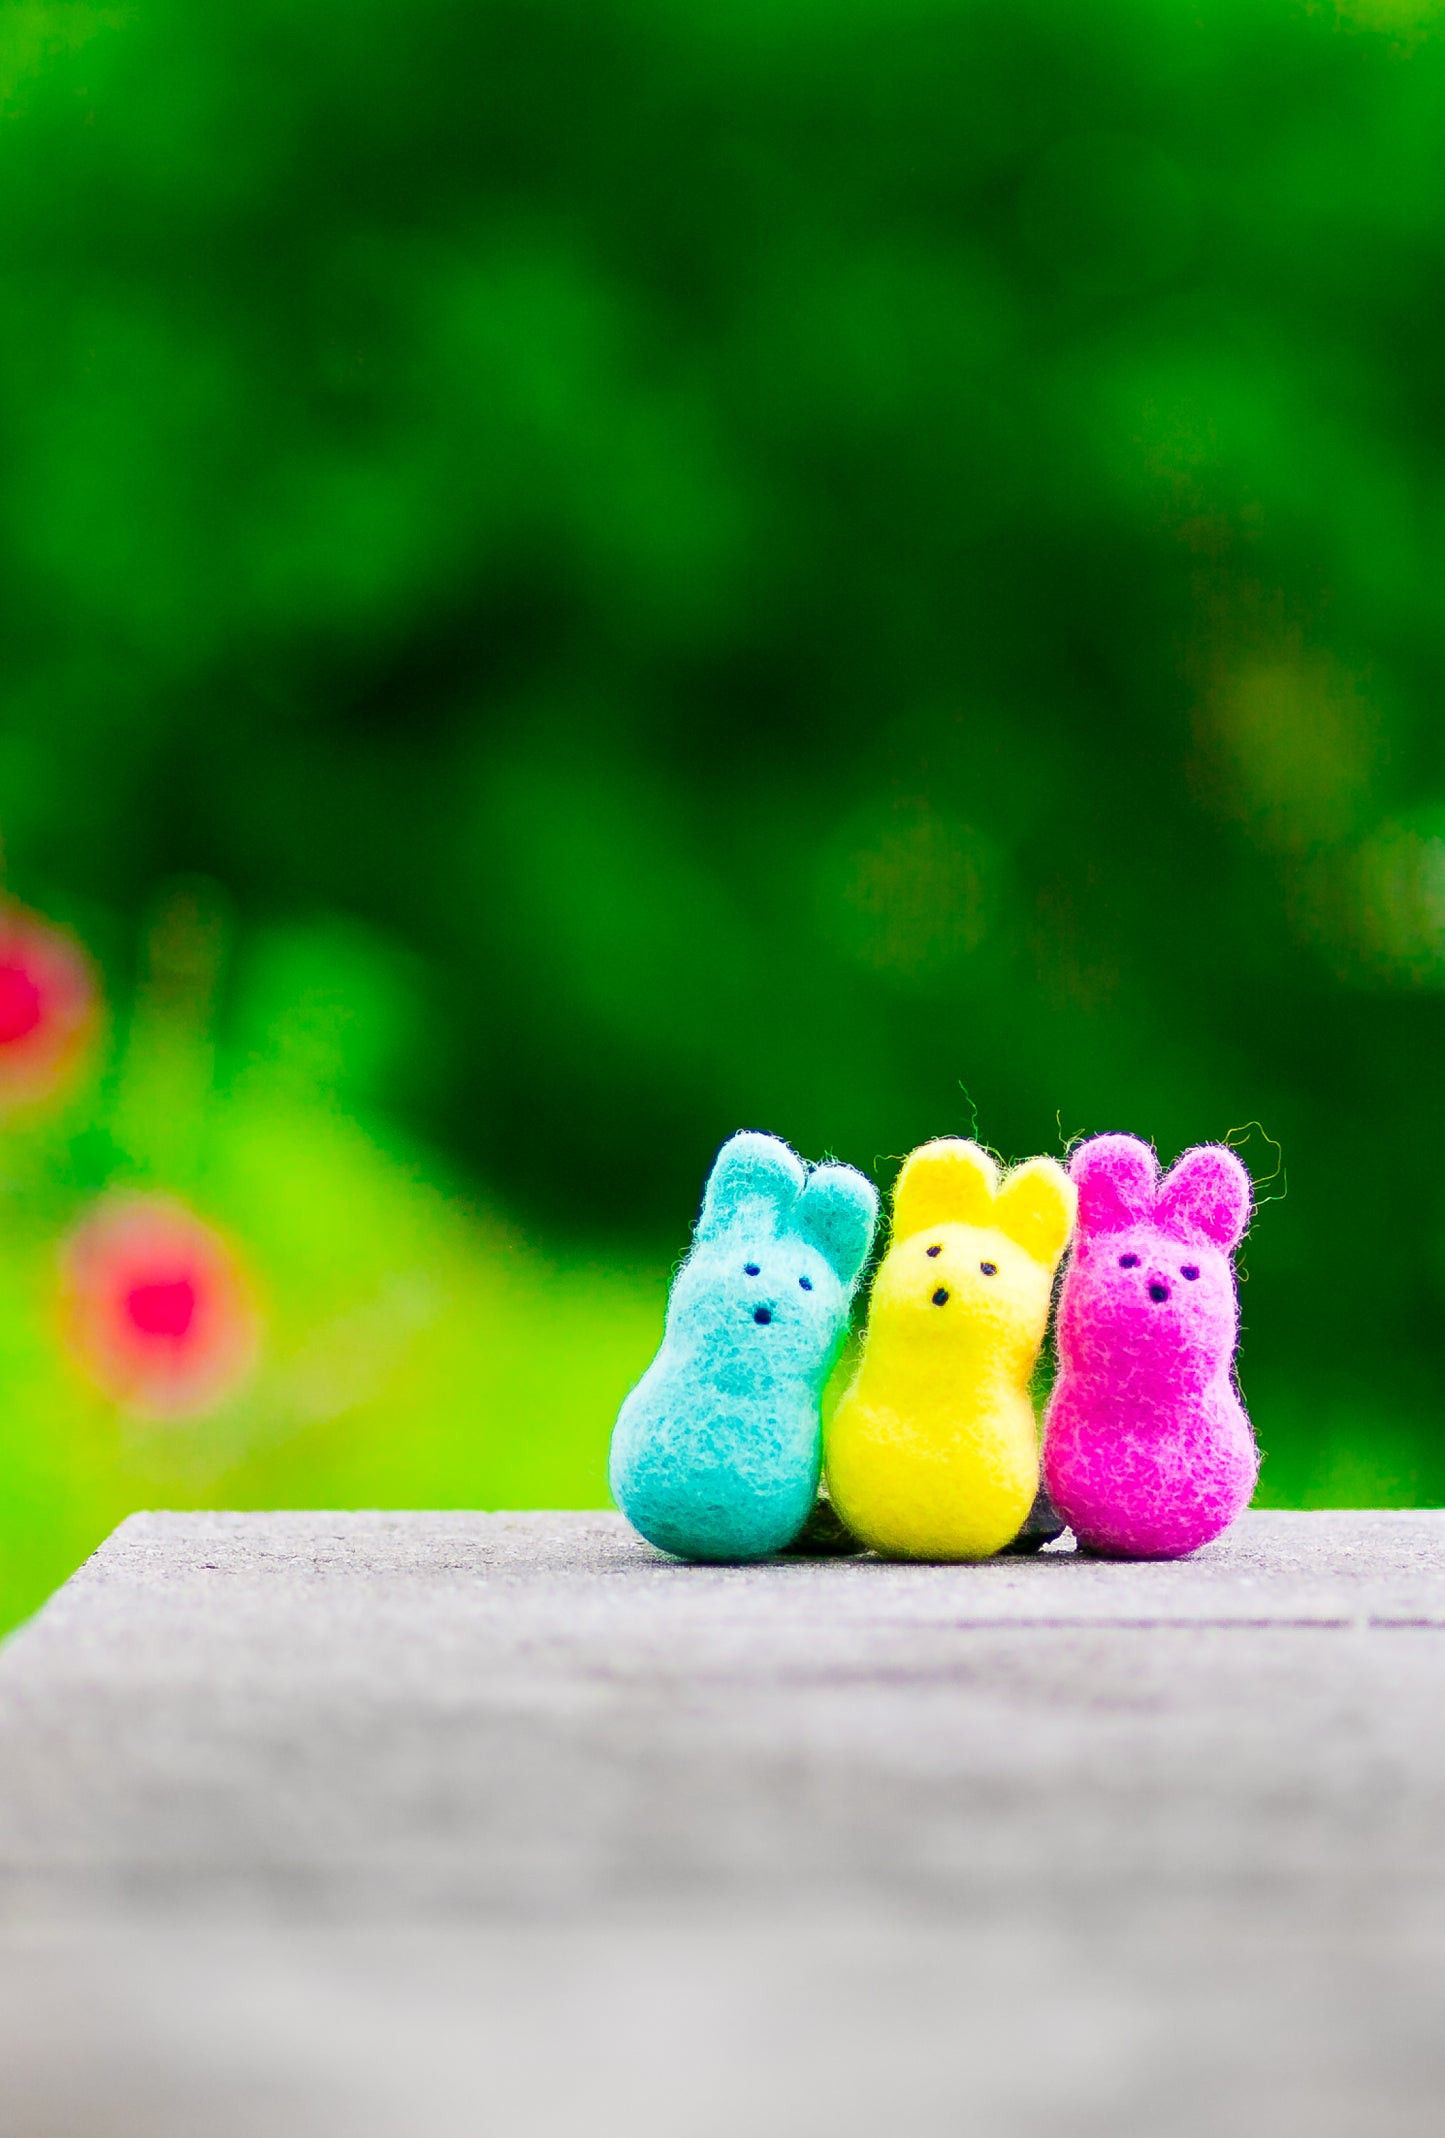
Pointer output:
x,y
971,1263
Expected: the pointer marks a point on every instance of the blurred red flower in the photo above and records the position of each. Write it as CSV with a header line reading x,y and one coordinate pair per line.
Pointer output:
x,y
157,1308
49,1005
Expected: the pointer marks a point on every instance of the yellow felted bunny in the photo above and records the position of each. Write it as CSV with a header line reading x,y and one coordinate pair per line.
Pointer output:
x,y
933,1452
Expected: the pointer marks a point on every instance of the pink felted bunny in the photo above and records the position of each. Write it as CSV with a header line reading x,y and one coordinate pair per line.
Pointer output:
x,y
1147,1449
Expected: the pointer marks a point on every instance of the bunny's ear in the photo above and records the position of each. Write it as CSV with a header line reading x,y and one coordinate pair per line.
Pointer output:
x,y
1206,1194
836,1213
1035,1206
947,1182
1115,1177
750,1170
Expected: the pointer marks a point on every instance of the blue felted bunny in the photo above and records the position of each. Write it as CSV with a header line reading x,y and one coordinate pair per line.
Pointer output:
x,y
716,1452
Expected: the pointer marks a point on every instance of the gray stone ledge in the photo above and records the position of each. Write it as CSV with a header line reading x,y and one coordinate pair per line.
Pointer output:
x,y
430,1824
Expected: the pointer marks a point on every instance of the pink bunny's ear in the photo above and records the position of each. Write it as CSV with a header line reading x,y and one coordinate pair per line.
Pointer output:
x,y
1206,1194
1115,1177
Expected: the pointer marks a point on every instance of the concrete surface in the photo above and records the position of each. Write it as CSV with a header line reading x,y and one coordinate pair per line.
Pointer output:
x,y
429,1826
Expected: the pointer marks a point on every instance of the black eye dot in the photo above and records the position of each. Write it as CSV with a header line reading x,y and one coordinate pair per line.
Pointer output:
x,y
1128,1261
762,1316
806,1283
750,1269
990,1269
936,1250
1189,1271
940,1297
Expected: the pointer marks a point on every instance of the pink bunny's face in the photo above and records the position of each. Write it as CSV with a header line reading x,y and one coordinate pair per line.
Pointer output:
x,y
1149,1297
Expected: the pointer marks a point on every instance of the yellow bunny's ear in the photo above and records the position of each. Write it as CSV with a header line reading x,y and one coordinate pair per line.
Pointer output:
x,y
1036,1206
947,1182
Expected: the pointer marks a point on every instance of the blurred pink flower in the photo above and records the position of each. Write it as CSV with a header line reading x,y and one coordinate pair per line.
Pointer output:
x,y
49,1006
157,1308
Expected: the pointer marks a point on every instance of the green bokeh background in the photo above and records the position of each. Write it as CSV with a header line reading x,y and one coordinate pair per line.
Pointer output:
x,y
584,573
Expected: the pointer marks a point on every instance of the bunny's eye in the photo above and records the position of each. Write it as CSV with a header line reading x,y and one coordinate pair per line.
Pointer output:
x,y
936,1250
806,1283
750,1269
1129,1262
1189,1271
990,1269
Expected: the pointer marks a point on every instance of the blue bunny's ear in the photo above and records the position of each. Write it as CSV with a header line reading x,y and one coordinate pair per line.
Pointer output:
x,y
750,1169
837,1213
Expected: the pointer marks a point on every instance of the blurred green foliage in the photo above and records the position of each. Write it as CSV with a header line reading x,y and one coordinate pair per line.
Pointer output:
x,y
685,566
417,1349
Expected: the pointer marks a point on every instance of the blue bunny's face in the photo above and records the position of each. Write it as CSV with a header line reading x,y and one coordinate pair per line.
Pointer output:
x,y
777,1251
776,1296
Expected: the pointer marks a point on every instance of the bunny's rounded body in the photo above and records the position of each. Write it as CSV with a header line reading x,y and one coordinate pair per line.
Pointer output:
x,y
1148,1453
716,1452
933,1451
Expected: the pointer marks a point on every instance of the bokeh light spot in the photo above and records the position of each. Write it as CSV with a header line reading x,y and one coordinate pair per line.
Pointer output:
x,y
164,1308
1398,916
21,1005
158,1311
908,892
49,1008
1294,739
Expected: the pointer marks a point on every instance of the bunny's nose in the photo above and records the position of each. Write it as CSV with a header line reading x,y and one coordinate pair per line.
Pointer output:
x,y
1158,1292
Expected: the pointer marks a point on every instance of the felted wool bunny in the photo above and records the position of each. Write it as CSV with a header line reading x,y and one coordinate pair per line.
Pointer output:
x,y
1147,1449
716,1452
933,1451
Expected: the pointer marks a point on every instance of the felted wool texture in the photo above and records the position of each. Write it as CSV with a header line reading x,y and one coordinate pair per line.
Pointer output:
x,y
717,1451
1148,1452
933,1451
